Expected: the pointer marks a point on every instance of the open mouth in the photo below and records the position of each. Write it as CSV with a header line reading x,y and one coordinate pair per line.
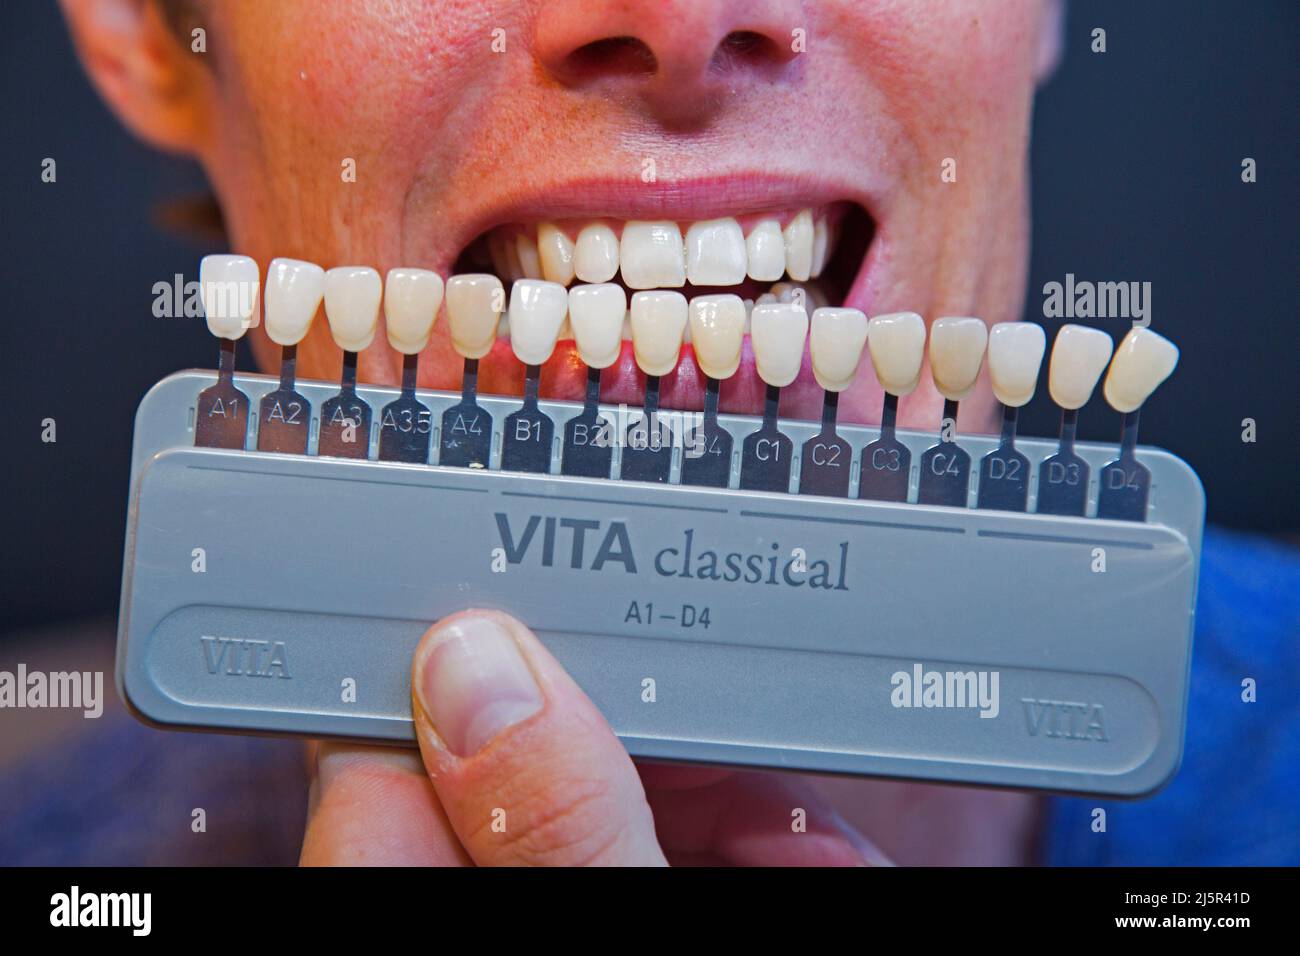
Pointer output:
x,y
811,254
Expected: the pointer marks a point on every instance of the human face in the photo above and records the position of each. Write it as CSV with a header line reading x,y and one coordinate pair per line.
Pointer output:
x,y
905,121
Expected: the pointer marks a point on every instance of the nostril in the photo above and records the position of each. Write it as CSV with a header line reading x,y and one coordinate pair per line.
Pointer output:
x,y
611,56
747,48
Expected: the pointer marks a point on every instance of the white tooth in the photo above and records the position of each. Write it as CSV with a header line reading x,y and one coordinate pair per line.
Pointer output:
x,y
537,310
595,256
293,292
717,331
1142,361
956,354
765,298
1015,356
778,331
352,295
596,313
1079,356
715,253
765,251
475,302
821,247
230,287
555,250
897,343
529,262
651,256
658,323
411,300
836,340
798,236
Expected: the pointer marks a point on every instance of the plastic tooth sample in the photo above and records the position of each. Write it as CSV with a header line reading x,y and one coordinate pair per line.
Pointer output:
x,y
835,342
717,325
475,306
658,325
778,331
1142,361
230,287
537,311
293,294
411,301
956,353
1079,356
596,313
897,344
1015,357
352,297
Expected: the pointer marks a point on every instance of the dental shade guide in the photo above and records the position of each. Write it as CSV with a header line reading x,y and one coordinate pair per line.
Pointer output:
x,y
707,589
1142,361
352,296
1015,355
474,306
717,335
956,354
778,331
897,345
1079,356
293,294
596,314
411,301
658,322
230,293
836,339
537,311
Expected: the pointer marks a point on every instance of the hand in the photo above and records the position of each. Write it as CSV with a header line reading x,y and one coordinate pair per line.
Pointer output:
x,y
517,767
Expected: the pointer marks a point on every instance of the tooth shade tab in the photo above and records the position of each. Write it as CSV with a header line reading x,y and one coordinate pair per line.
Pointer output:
x,y
537,310
1142,361
596,314
836,340
897,343
956,354
1015,357
798,237
555,250
765,251
1079,355
352,296
595,254
230,287
658,324
778,331
651,255
411,301
715,253
294,290
717,326
475,302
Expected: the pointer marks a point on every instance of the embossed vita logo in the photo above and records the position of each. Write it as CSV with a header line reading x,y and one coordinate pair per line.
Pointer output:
x,y
974,690
239,657
1066,719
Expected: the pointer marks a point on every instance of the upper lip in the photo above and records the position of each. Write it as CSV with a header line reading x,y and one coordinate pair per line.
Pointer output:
x,y
629,198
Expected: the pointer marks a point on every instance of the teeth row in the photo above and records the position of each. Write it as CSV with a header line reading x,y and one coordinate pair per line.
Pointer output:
x,y
661,320
655,255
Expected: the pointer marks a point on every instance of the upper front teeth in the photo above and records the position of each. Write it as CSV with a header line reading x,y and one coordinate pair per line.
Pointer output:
x,y
293,294
956,354
352,295
654,255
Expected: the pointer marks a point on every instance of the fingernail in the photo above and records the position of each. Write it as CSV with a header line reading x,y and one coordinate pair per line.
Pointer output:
x,y
473,683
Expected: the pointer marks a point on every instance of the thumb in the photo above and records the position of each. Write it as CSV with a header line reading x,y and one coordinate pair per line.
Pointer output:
x,y
527,769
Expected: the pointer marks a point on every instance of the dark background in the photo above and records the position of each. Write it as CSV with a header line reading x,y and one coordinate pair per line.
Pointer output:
x,y
1137,176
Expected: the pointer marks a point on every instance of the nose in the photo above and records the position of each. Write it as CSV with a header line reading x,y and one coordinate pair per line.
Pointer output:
x,y
678,58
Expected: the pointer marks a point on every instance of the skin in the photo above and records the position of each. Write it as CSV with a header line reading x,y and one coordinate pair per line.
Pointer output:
x,y
449,139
